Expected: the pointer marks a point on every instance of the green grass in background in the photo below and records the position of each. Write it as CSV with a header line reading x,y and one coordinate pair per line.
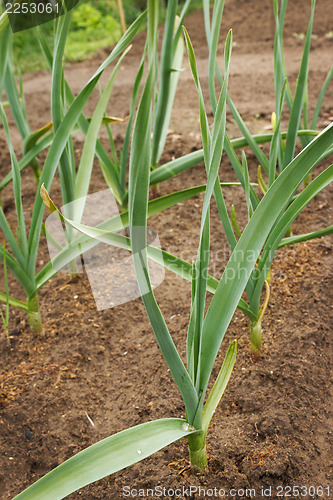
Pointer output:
x,y
92,29
95,25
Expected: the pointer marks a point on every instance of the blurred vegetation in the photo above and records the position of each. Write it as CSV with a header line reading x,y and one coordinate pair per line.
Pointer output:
x,y
95,25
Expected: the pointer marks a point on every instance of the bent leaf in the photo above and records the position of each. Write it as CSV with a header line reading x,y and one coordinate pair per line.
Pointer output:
x,y
31,140
106,457
4,297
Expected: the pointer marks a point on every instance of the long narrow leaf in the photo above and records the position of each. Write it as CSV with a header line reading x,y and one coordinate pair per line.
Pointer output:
x,y
22,235
107,167
320,98
66,168
296,110
292,240
95,235
175,167
5,38
276,139
261,157
63,132
14,101
213,43
112,225
28,158
4,297
105,233
244,256
18,269
140,160
127,137
165,97
87,158
219,386
106,457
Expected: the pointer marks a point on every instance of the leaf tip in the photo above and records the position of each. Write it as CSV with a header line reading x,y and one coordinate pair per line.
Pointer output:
x,y
46,199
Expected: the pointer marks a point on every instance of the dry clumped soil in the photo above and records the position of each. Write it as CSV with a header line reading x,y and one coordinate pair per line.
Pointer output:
x,y
94,373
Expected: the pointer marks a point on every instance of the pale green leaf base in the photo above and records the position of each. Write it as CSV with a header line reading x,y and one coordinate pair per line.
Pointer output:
x,y
198,453
34,316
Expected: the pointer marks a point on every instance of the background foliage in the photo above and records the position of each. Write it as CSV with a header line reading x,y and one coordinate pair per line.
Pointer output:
x,y
84,38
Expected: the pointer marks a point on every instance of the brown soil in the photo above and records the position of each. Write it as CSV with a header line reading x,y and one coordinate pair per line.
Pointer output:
x,y
274,425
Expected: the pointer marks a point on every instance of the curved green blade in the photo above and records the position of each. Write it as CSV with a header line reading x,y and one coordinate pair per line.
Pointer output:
x,y
171,61
21,230
174,167
292,240
321,97
4,54
82,244
105,232
94,235
28,158
63,133
4,20
106,457
13,302
85,167
301,88
139,170
219,386
243,258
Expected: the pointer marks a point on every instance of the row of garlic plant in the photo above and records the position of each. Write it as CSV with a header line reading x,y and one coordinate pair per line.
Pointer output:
x,y
282,151
76,185
22,257
67,114
273,213
134,444
21,261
